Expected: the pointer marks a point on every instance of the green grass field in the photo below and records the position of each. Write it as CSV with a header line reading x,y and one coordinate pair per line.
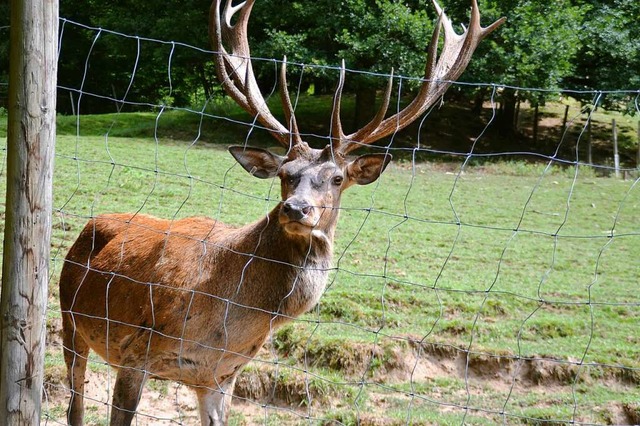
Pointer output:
x,y
502,292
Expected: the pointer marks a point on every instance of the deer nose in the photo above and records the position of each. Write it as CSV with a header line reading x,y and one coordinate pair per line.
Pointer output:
x,y
296,209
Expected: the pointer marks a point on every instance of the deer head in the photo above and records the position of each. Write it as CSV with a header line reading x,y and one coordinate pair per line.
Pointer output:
x,y
312,180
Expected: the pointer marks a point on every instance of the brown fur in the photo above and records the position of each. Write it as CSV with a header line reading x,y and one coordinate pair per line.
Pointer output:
x,y
137,271
193,300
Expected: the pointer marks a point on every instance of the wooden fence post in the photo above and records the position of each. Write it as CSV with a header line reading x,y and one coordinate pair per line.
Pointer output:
x,y
589,151
536,115
638,151
564,122
30,151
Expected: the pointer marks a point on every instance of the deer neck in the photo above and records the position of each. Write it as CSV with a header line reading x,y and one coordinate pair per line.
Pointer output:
x,y
274,242
293,268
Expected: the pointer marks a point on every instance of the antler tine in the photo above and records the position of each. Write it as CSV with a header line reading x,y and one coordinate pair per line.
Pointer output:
x,y
440,72
229,68
375,122
337,134
286,103
432,52
230,10
458,49
235,71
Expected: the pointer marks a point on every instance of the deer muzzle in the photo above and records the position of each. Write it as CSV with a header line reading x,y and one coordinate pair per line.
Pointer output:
x,y
296,210
298,216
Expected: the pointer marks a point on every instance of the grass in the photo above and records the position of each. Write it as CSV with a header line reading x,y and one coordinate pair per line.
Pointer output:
x,y
519,277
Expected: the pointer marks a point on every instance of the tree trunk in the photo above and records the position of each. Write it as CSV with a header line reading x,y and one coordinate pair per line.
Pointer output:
x,y
508,113
478,100
563,129
536,114
365,105
516,118
206,83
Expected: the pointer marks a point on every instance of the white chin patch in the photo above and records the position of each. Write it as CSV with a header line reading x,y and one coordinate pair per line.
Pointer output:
x,y
316,233
297,228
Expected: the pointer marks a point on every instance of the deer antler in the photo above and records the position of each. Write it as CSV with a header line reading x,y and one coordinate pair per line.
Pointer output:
x,y
439,74
238,80
235,71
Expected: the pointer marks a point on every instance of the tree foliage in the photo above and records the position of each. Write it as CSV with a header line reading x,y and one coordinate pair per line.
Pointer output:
x,y
109,65
370,35
609,53
570,44
536,47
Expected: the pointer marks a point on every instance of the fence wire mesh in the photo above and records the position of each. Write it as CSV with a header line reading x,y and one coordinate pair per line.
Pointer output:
x,y
471,284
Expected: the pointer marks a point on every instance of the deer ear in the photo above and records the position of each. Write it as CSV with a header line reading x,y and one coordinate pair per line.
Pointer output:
x,y
367,168
257,161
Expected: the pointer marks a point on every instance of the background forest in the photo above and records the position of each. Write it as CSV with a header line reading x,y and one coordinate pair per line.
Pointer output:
x,y
565,45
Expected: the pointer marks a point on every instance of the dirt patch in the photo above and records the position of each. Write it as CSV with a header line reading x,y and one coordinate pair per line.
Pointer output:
x,y
632,413
162,403
336,373
622,414
549,373
278,386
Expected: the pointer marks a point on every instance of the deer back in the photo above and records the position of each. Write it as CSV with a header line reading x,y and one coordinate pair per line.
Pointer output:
x,y
193,280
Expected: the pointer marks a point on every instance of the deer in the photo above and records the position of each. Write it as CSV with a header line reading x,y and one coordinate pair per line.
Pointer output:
x,y
193,300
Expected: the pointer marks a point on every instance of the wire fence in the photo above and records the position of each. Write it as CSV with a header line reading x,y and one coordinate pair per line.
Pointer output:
x,y
474,283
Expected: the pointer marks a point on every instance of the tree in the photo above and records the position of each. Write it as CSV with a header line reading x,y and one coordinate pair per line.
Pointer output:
x,y
535,48
578,44
609,54
370,35
112,61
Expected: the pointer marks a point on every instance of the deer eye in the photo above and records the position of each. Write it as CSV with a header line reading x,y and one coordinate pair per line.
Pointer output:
x,y
337,180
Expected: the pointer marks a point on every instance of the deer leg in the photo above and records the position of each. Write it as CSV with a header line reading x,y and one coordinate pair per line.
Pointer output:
x,y
126,395
76,352
214,404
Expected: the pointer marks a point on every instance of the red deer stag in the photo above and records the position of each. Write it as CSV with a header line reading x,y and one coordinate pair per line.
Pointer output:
x,y
193,300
